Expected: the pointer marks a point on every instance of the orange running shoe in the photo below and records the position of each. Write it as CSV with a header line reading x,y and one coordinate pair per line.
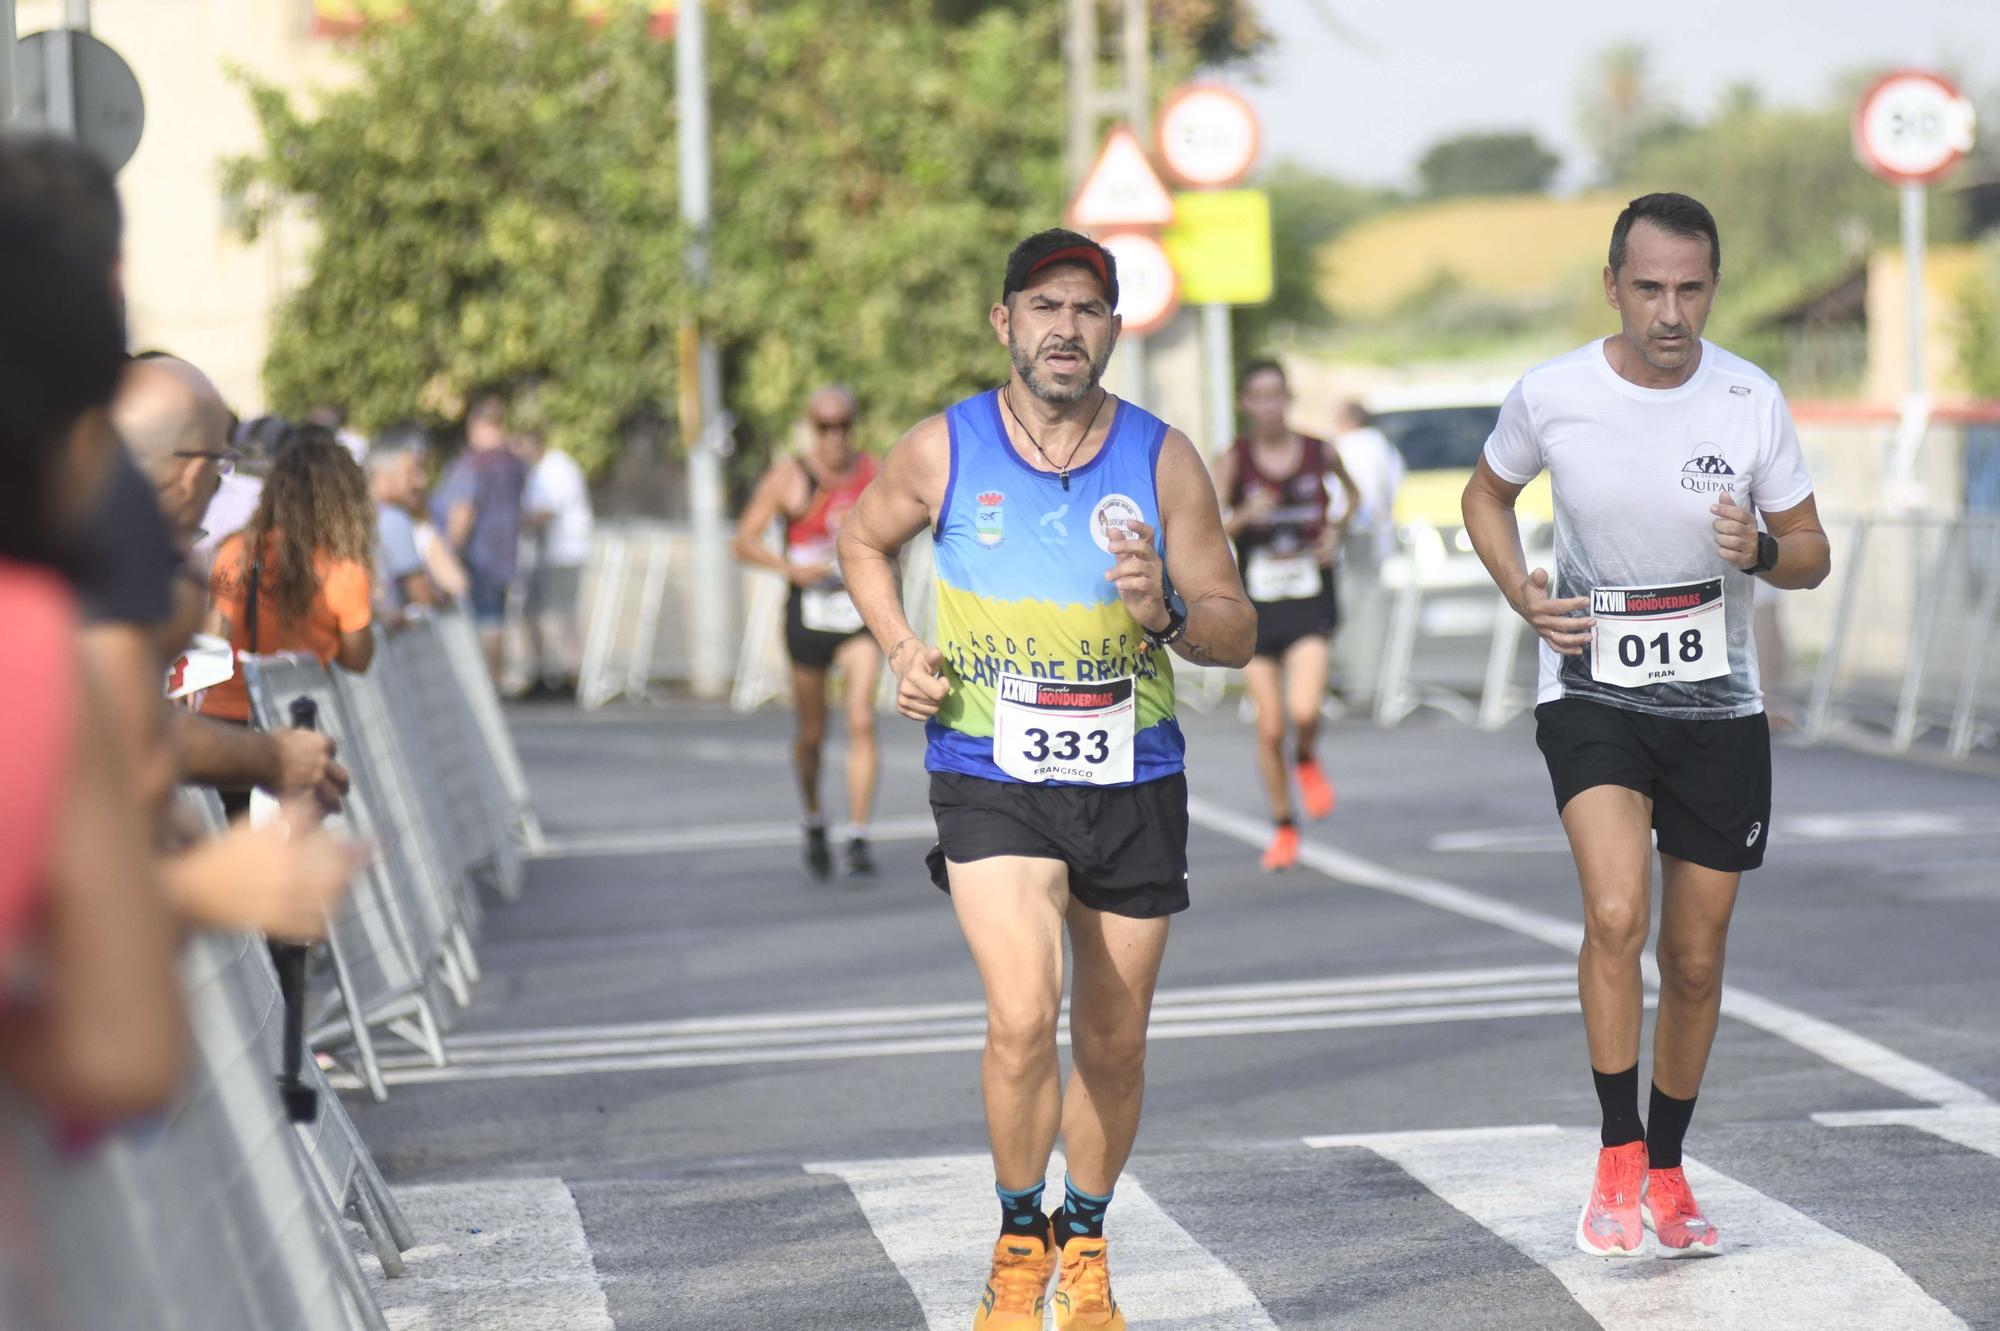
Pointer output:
x,y
1609,1225
1670,1212
1283,852
1083,1292
1315,791
1017,1292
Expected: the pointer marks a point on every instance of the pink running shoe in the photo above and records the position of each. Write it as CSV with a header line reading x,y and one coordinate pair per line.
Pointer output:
x,y
1671,1213
1609,1225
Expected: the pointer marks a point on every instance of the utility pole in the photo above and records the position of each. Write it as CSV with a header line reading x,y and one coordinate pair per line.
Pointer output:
x,y
703,424
1089,106
6,62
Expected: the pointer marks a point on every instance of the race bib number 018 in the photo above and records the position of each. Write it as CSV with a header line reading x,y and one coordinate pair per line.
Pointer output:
x,y
1049,730
1658,635
1271,577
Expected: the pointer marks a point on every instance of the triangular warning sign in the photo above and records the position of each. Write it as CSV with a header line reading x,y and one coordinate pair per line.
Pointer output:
x,y
1121,189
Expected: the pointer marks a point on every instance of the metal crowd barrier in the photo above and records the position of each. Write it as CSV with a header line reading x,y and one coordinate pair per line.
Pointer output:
x,y
1914,645
630,561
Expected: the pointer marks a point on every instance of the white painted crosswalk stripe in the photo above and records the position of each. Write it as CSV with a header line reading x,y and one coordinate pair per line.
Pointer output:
x,y
1780,1270
508,1255
1205,1012
935,1218
1978,1129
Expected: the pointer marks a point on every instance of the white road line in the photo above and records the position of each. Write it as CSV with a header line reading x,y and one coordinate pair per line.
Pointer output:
x,y
1194,995
1863,825
1781,1270
1836,1044
1976,1128
508,1255
565,1062
725,836
934,1217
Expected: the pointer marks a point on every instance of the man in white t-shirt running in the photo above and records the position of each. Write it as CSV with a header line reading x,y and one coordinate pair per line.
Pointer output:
x,y
1664,450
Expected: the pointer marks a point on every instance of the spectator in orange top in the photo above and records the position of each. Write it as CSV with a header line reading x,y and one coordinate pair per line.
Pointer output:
x,y
298,577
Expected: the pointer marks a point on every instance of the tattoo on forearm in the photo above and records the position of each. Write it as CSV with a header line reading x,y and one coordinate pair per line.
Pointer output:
x,y
1195,651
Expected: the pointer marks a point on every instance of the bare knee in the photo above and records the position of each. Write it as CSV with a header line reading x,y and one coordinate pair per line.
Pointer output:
x,y
1109,1050
1616,925
861,725
1271,727
1692,971
1020,1036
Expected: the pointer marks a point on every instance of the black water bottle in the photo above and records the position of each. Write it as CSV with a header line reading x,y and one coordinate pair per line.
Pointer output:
x,y
301,1101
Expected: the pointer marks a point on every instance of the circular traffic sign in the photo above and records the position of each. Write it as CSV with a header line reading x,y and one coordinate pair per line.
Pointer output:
x,y
1149,290
107,107
1911,127
1208,136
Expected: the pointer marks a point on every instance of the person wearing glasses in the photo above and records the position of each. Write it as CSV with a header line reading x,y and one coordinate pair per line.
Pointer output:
x,y
812,493
177,426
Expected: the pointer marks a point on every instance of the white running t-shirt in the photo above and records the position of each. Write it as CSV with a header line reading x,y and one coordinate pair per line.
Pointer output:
x,y
1634,471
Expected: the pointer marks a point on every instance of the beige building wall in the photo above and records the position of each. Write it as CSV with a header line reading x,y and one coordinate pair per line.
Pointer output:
x,y
194,287
1946,270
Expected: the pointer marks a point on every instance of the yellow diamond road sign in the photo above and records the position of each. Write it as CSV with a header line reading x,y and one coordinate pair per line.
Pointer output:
x,y
1220,243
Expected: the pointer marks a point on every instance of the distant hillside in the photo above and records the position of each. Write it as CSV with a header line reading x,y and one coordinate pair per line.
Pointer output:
x,y
1530,248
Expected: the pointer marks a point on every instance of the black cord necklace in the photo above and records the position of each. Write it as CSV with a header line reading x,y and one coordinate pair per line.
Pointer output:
x,y
1061,470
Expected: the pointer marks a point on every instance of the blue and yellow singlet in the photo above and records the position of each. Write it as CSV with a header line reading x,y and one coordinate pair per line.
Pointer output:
x,y
1027,620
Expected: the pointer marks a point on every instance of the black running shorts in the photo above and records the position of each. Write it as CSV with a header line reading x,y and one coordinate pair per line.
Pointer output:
x,y
1710,781
1126,846
809,647
1282,623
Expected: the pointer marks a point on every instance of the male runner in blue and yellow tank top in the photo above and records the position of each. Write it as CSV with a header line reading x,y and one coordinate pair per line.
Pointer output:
x,y
1077,540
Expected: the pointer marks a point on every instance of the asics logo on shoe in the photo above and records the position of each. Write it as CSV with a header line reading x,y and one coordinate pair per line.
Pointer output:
x,y
1756,830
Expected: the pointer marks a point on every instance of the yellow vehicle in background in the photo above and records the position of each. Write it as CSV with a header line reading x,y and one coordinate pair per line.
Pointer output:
x,y
1440,432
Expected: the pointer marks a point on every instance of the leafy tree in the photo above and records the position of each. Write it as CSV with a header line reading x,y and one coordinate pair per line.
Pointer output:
x,y
496,203
1622,108
1487,163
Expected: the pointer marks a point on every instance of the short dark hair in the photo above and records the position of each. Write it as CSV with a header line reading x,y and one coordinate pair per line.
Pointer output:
x,y
67,181
1056,246
487,404
62,348
1264,366
1675,214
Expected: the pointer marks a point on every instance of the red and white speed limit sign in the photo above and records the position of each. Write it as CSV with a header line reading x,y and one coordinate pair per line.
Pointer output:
x,y
1912,127
1208,136
1149,290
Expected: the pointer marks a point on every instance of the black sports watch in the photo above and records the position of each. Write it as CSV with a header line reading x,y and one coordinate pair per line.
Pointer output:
x,y
1176,623
1767,554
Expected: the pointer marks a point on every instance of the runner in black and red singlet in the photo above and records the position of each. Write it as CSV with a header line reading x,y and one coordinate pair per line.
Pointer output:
x,y
813,493
1273,483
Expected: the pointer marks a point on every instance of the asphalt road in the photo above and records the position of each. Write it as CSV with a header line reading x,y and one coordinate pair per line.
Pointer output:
x,y
698,1090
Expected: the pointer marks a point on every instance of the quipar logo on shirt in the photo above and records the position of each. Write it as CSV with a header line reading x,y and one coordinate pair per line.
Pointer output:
x,y
1708,472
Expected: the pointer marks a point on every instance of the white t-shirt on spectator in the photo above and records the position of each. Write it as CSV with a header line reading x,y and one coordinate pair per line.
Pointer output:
x,y
228,512
556,486
1634,472
1377,468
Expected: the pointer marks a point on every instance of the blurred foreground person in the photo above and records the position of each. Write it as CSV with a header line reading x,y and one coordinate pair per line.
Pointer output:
x,y
1062,515
1664,450
813,494
1273,484
556,511
478,505
91,1021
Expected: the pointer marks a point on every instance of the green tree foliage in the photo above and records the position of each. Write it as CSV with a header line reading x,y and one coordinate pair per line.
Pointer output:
x,y
1489,163
1979,326
1308,209
496,204
1621,108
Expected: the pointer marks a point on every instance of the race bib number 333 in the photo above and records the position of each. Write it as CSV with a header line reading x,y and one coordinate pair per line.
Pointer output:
x,y
1051,730
1658,635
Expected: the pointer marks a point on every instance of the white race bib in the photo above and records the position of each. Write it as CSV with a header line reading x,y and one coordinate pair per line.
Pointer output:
x,y
1272,577
829,610
1658,635
1053,730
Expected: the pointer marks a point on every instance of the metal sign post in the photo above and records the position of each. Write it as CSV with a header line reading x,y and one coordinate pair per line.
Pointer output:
x,y
1911,128
6,62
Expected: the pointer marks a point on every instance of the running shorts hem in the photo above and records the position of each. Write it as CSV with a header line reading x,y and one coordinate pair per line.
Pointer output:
x,y
810,649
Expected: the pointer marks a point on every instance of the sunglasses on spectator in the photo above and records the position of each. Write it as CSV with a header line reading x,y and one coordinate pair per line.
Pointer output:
x,y
224,459
828,427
